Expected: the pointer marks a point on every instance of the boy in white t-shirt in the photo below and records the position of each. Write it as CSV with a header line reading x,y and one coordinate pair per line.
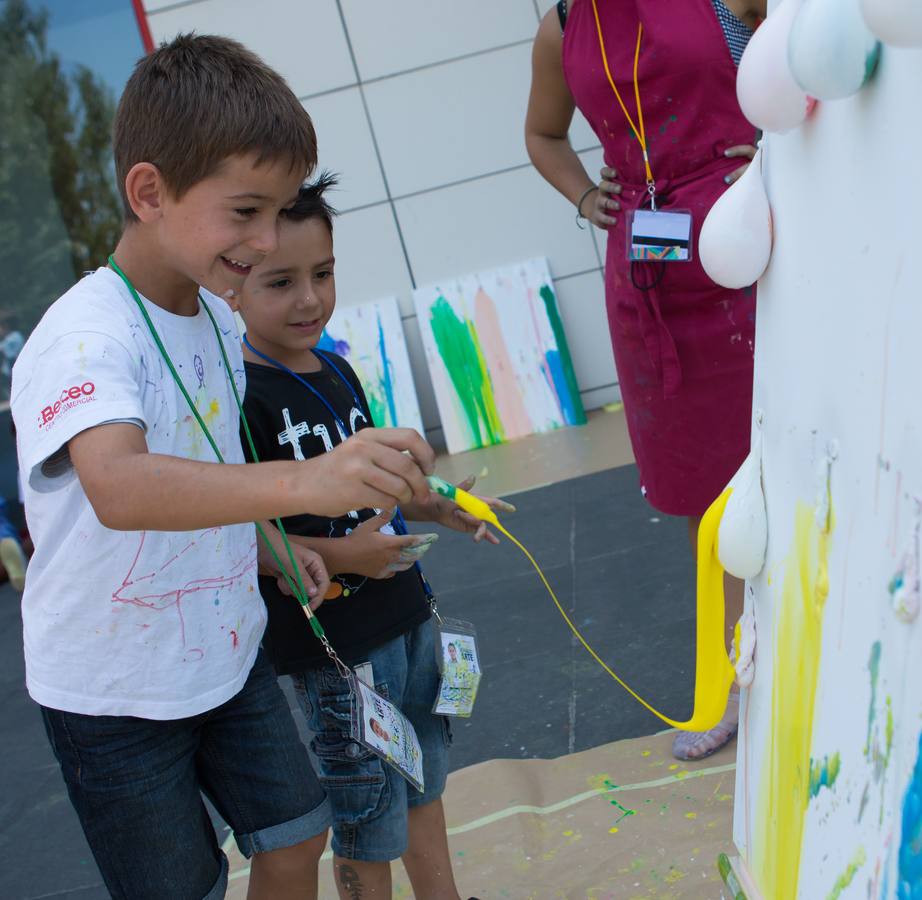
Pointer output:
x,y
142,618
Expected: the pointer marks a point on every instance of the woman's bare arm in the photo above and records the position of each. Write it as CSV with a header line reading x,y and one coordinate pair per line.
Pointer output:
x,y
550,111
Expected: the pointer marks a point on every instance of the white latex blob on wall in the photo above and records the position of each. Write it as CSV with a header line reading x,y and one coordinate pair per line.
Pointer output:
x,y
768,94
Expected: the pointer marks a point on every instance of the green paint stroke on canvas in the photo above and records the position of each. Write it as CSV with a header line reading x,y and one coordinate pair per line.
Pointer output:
x,y
874,669
377,407
459,348
577,415
848,876
824,773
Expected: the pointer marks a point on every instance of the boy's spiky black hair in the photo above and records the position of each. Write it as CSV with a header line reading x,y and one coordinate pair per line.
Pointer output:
x,y
312,202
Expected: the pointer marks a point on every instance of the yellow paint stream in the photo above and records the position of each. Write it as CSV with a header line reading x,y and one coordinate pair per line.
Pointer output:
x,y
713,671
784,789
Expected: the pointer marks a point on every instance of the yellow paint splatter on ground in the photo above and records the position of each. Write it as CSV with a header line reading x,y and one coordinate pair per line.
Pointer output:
x,y
784,788
673,767
645,752
691,815
673,875
613,830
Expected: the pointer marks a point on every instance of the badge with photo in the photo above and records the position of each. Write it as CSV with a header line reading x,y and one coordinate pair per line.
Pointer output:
x,y
384,730
459,666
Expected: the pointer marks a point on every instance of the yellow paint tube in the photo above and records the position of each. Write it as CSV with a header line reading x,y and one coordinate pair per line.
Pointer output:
x,y
713,671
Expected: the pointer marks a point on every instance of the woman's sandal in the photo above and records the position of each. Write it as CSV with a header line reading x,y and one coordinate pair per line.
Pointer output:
x,y
695,745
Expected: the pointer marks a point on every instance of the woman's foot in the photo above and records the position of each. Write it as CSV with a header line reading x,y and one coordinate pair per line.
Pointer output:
x,y
691,745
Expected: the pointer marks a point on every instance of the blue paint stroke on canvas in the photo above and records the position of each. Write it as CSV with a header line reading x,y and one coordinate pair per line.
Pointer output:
x,y
387,382
561,388
909,884
332,345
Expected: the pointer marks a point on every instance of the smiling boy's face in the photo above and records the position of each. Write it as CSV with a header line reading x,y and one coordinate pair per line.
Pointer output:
x,y
289,297
226,224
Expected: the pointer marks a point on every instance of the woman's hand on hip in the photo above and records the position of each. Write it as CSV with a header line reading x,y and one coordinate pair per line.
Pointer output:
x,y
599,205
744,150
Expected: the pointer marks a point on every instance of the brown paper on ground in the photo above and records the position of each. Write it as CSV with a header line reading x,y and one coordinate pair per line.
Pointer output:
x,y
540,829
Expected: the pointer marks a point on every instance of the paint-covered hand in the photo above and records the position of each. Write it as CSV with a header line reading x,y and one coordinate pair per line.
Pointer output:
x,y
449,514
746,152
310,566
366,551
598,206
377,468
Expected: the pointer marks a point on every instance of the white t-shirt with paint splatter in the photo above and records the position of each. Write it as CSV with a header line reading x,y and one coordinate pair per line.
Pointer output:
x,y
160,625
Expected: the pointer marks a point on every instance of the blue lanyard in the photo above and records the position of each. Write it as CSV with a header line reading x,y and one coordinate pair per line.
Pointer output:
x,y
400,525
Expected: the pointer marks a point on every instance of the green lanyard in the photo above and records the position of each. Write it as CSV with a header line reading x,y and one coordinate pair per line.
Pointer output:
x,y
296,589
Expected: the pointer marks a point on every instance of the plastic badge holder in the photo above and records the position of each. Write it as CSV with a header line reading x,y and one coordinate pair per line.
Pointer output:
x,y
384,730
661,236
459,666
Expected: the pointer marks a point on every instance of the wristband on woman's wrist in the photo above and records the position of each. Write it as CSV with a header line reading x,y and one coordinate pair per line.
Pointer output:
x,y
579,204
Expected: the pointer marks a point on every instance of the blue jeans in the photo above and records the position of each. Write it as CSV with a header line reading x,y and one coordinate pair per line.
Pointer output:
x,y
370,799
136,783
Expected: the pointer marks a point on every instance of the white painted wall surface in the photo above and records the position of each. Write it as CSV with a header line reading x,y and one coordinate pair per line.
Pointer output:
x,y
420,106
839,358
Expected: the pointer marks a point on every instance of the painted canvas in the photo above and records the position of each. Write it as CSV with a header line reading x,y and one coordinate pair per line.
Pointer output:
x,y
370,336
828,799
498,356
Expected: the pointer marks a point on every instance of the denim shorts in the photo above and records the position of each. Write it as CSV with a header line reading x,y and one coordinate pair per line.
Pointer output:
x,y
370,799
136,783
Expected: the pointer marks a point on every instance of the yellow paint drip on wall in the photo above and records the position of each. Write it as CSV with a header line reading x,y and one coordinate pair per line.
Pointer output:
x,y
784,789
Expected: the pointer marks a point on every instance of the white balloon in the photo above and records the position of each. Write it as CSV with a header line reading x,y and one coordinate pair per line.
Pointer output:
x,y
742,536
895,22
831,51
768,94
735,243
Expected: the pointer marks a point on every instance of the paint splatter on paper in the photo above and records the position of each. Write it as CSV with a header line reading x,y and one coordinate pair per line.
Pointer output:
x,y
848,876
823,773
909,883
370,336
498,356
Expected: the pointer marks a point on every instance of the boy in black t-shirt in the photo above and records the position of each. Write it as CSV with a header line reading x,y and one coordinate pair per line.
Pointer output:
x,y
299,404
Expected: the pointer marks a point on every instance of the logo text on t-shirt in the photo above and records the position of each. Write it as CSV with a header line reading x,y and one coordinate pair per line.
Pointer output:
x,y
70,397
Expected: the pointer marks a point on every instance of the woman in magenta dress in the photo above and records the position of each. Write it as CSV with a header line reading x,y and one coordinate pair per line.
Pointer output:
x,y
683,346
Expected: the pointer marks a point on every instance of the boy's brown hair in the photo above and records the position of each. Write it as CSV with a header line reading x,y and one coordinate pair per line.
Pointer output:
x,y
200,99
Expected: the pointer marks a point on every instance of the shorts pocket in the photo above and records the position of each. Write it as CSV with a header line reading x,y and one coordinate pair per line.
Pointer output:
x,y
353,776
354,779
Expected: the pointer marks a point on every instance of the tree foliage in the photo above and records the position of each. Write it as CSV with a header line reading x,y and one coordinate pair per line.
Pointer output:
x,y
60,212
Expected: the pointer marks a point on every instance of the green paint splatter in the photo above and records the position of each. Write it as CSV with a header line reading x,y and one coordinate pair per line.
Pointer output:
x,y
870,63
846,878
577,415
889,732
460,350
874,669
377,407
824,773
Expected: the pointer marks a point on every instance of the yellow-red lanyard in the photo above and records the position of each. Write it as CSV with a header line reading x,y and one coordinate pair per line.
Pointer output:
x,y
639,132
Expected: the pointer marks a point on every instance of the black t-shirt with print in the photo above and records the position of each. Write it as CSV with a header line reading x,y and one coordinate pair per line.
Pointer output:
x,y
289,422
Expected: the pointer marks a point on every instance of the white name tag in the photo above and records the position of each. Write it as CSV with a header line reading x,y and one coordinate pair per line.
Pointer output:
x,y
660,236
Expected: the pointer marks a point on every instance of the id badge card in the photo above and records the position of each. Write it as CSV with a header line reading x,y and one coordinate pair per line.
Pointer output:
x,y
660,236
384,730
459,668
